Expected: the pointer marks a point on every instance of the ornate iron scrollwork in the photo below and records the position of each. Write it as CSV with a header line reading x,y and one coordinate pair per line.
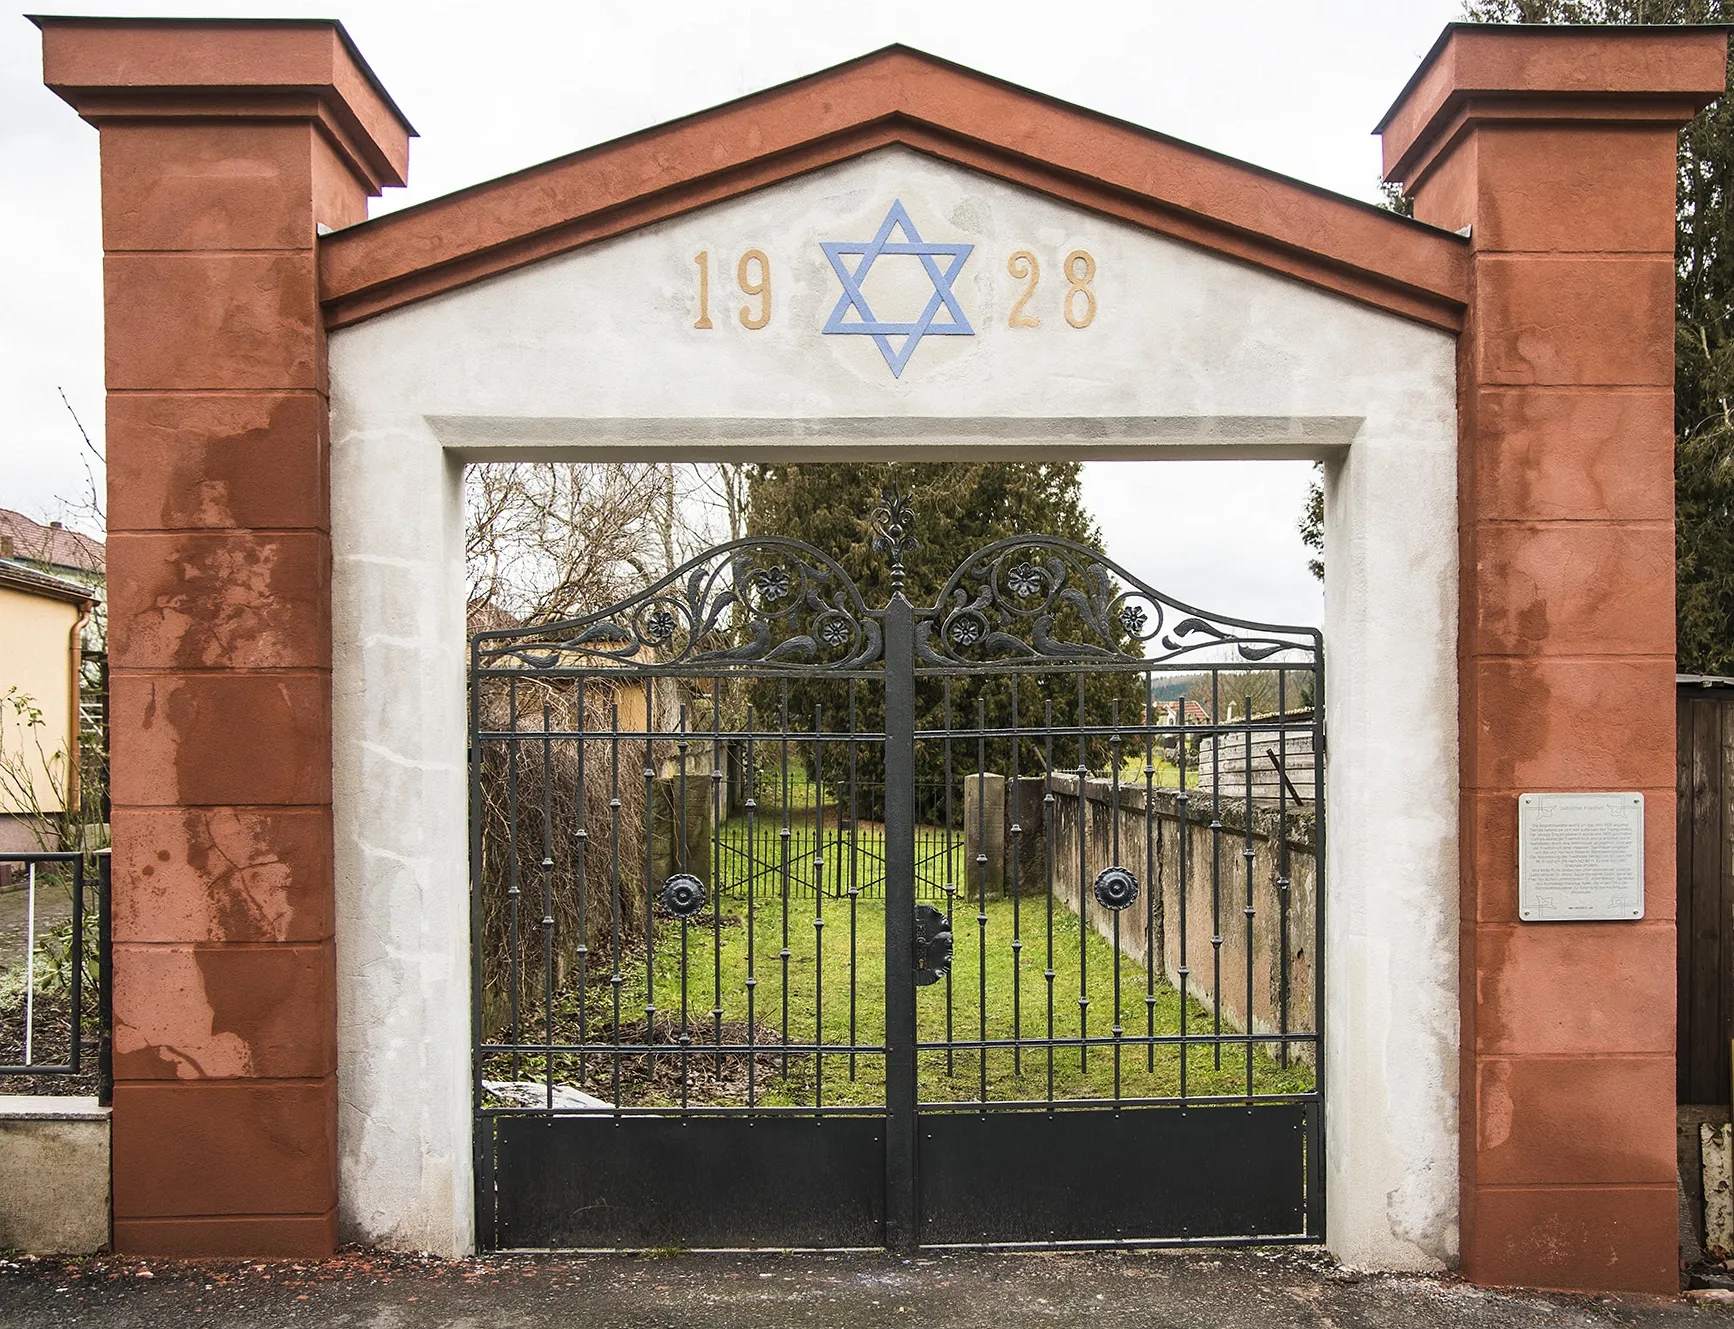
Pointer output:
x,y
1116,888
1039,598
683,895
894,531
762,600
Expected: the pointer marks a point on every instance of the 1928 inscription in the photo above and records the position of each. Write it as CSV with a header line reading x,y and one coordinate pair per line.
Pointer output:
x,y
922,301
1076,303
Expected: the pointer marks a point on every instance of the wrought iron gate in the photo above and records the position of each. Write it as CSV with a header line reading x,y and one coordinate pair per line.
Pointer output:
x,y
798,923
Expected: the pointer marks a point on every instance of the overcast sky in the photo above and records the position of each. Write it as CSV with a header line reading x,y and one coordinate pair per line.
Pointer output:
x,y
1293,85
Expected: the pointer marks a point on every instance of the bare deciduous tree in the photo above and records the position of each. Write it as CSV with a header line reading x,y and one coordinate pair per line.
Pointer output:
x,y
722,487
544,542
550,540
547,540
533,800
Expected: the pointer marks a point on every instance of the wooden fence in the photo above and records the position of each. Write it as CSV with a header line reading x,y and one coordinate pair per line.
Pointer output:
x,y
1705,884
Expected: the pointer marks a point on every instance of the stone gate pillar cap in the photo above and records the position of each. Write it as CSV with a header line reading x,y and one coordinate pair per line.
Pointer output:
x,y
116,68
1658,73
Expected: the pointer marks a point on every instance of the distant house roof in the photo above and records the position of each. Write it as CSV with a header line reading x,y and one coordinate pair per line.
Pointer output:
x,y
486,616
15,576
1195,713
54,545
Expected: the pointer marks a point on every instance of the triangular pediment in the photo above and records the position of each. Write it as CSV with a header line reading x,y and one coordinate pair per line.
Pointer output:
x,y
891,285
897,97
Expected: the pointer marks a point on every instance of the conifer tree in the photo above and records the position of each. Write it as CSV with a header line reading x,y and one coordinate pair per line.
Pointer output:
x,y
1703,339
959,507
1704,333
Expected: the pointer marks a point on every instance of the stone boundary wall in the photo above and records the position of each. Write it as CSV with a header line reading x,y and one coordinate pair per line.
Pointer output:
x,y
54,1173
1150,845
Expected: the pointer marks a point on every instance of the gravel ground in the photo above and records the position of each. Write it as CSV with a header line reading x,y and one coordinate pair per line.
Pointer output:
x,y
1191,1290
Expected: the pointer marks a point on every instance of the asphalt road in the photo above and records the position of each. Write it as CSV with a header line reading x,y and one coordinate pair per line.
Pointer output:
x,y
1194,1290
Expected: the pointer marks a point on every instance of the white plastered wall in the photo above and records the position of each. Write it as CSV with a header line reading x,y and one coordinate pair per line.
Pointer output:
x,y
594,354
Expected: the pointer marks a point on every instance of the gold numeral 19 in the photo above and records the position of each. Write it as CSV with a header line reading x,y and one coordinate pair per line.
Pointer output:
x,y
1024,267
760,288
702,258
1080,268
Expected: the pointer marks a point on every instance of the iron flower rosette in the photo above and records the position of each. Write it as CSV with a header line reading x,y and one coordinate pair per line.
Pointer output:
x,y
1116,888
683,895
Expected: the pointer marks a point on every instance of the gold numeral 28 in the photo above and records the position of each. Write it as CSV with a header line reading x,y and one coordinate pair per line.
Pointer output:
x,y
1079,302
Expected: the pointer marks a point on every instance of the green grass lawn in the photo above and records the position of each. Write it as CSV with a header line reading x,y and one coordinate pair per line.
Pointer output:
x,y
1165,774
847,860
829,989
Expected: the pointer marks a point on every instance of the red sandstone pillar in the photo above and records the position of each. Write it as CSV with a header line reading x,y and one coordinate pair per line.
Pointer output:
x,y
1557,148
224,146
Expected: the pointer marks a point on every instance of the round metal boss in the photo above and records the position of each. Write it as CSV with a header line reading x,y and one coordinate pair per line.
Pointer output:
x,y
1116,888
683,895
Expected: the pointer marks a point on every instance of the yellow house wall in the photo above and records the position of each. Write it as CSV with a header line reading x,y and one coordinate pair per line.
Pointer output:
x,y
36,660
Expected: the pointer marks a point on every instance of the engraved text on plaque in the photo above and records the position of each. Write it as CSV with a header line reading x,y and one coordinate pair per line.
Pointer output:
x,y
1580,856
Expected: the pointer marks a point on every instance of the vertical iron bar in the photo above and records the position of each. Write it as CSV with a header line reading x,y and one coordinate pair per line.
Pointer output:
x,y
650,1038
981,884
818,908
680,829
1316,1200
105,978
1115,757
1216,736
1084,896
1183,839
854,877
77,993
513,961
1248,854
615,902
785,953
1014,793
548,907
718,801
1282,863
481,1151
1152,887
1049,811
902,1232
752,923
950,882
581,877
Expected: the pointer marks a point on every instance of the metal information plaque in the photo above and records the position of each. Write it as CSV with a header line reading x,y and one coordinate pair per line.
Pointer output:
x,y
1580,856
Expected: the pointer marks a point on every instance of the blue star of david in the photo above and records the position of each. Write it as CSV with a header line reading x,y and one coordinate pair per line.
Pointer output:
x,y
866,323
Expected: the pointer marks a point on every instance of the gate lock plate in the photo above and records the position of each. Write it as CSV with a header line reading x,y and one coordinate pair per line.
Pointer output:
x,y
932,945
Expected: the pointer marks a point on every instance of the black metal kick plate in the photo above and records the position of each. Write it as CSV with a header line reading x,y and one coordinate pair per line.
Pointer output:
x,y
649,1182
1140,1174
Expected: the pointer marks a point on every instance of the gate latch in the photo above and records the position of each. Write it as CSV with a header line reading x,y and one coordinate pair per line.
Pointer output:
x,y
932,945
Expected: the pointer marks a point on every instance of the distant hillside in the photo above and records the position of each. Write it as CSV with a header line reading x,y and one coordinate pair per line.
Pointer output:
x,y
1171,687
